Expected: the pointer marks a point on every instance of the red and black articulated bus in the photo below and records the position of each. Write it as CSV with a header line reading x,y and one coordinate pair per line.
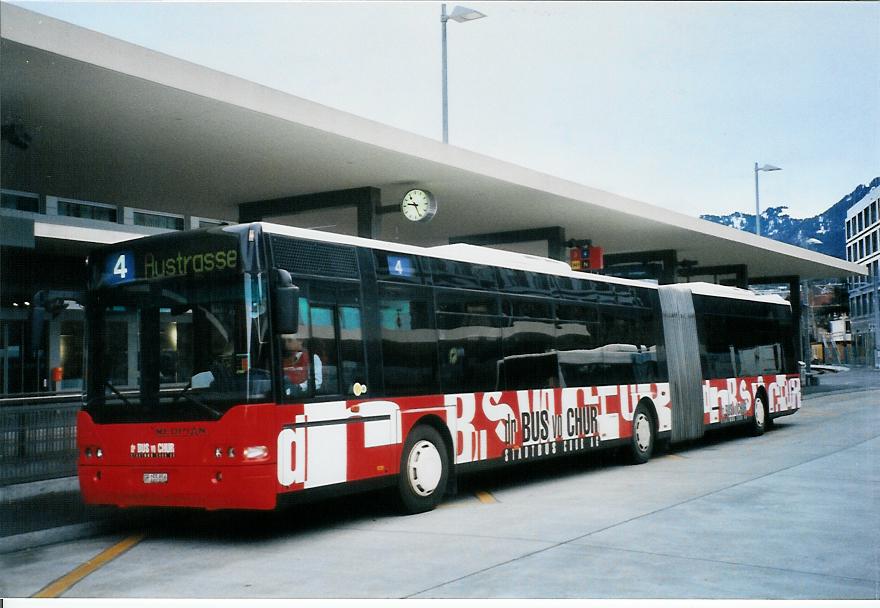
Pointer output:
x,y
241,367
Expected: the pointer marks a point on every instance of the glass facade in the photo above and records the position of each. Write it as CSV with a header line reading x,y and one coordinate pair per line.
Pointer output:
x,y
89,211
19,201
157,220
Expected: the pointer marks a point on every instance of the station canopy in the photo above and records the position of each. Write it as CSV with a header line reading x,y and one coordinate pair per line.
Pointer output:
x,y
116,123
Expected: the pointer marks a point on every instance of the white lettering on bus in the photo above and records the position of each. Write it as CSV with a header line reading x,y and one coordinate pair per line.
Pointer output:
x,y
495,411
292,455
462,427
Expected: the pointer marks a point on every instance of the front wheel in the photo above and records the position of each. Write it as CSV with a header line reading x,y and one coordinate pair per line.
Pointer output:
x,y
643,436
424,470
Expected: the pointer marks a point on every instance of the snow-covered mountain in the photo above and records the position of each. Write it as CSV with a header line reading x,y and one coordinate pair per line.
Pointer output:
x,y
824,233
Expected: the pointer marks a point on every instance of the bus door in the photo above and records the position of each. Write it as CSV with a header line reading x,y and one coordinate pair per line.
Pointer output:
x,y
685,374
326,438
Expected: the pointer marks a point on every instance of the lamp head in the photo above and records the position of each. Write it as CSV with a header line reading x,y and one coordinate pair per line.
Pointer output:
x,y
768,168
463,13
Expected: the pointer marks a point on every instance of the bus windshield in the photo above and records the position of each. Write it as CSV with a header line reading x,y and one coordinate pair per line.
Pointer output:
x,y
177,349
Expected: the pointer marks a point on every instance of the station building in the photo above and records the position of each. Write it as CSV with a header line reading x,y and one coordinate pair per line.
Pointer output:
x,y
105,141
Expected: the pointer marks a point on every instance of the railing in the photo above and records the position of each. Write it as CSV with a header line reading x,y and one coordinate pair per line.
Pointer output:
x,y
38,438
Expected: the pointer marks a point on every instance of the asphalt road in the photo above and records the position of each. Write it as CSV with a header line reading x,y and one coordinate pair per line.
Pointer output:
x,y
792,514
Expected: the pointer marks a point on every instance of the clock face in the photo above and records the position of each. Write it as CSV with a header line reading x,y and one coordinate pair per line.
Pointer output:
x,y
418,206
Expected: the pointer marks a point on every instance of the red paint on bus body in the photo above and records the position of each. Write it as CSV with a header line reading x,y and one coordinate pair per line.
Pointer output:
x,y
323,444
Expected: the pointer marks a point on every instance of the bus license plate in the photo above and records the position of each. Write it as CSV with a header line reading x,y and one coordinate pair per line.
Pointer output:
x,y
155,477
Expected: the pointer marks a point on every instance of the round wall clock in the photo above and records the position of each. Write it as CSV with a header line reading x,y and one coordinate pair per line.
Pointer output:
x,y
418,205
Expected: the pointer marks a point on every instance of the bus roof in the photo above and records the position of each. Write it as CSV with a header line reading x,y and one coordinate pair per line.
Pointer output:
x,y
459,252
488,256
725,291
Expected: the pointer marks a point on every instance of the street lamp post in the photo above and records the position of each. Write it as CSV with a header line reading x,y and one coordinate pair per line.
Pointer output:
x,y
460,14
757,203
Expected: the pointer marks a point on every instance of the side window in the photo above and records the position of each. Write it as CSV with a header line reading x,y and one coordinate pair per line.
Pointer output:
x,y
326,356
325,371
529,343
351,343
577,338
470,341
296,360
764,348
448,273
741,338
628,342
720,356
409,346
577,327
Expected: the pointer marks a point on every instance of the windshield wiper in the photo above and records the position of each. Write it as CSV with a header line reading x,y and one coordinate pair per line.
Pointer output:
x,y
117,393
193,400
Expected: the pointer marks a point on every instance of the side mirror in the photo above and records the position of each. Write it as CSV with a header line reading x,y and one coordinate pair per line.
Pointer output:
x,y
202,380
285,304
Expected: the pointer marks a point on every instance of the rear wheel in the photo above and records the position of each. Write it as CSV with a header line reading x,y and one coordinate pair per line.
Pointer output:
x,y
643,436
424,470
761,419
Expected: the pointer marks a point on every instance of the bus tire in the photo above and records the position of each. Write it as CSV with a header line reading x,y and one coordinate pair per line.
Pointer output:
x,y
424,470
644,436
759,420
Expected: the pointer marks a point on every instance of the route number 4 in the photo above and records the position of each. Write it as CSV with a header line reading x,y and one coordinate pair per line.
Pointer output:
x,y
400,265
120,269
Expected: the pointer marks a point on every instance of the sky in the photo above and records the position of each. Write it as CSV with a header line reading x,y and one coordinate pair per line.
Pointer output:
x,y
666,103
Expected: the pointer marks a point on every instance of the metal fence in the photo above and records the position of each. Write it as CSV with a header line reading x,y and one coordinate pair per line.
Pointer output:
x,y
37,441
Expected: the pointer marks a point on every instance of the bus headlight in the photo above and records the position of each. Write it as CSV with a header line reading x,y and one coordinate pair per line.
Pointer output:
x,y
256,452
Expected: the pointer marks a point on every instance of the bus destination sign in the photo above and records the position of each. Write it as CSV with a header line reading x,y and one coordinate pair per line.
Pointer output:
x,y
126,266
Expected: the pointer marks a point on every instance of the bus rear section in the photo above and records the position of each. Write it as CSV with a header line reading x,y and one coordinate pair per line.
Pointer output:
x,y
732,358
749,359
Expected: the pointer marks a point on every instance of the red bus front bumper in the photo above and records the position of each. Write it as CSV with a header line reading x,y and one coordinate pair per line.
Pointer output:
x,y
182,464
229,487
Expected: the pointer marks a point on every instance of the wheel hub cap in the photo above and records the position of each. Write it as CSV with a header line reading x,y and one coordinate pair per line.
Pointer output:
x,y
424,468
643,433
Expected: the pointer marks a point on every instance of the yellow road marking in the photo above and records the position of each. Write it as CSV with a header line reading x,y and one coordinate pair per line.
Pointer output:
x,y
59,586
676,456
485,498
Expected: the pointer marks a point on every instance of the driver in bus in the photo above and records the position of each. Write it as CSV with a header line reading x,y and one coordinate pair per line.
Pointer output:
x,y
297,363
